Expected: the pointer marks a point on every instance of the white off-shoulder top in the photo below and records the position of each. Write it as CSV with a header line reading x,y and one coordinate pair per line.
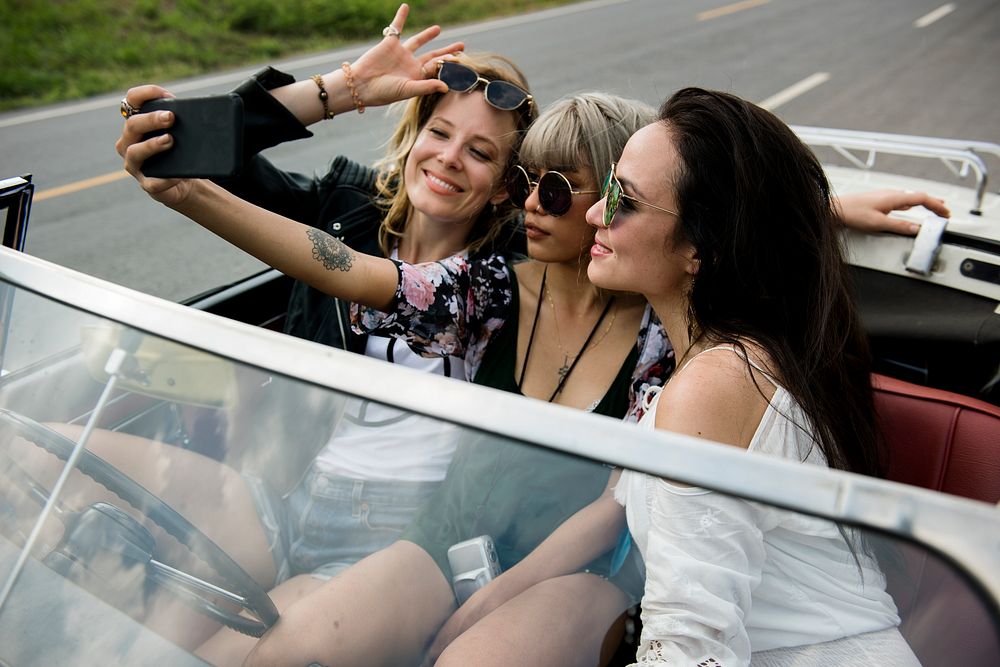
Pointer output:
x,y
740,582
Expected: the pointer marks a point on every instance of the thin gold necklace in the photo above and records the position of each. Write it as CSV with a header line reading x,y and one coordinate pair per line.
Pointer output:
x,y
567,356
568,367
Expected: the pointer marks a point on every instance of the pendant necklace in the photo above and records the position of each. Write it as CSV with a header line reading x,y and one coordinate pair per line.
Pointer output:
x,y
567,366
564,370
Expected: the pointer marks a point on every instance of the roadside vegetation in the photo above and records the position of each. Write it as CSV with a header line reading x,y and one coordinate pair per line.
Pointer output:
x,y
66,49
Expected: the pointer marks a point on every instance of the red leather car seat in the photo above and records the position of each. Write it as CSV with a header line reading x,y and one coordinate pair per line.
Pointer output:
x,y
940,440
951,443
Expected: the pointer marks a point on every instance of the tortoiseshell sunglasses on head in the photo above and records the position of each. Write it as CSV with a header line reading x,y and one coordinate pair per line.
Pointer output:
x,y
500,94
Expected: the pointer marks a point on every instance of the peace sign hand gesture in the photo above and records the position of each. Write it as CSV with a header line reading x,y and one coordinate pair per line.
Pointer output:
x,y
392,70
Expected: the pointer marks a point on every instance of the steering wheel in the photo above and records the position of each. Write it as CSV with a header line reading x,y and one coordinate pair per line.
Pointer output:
x,y
239,584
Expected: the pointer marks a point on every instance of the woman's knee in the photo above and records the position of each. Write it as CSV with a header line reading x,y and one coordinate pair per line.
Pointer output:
x,y
381,610
307,631
560,621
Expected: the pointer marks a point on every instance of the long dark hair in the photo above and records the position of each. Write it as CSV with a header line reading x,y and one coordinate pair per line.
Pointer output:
x,y
755,204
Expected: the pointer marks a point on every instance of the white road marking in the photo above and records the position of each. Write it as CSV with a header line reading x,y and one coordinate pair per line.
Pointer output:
x,y
794,90
931,17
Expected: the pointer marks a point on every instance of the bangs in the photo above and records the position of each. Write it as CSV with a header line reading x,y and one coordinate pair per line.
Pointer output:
x,y
555,142
584,133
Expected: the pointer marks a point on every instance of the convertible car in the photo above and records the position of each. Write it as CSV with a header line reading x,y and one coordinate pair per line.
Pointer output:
x,y
97,569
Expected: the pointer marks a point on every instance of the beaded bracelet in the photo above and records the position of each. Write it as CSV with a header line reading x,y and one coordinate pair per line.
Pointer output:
x,y
349,75
323,96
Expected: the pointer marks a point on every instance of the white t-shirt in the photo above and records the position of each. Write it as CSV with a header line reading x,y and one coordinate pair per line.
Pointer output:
x,y
377,442
727,577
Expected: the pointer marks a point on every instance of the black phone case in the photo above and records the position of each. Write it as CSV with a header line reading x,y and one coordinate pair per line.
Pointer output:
x,y
208,137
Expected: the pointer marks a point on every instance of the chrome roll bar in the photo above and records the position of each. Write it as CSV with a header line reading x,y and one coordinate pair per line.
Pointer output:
x,y
960,156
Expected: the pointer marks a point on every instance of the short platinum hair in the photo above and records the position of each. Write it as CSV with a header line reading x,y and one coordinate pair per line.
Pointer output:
x,y
586,131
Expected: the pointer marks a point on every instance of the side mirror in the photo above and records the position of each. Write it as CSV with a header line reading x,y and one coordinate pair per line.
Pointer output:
x,y
15,196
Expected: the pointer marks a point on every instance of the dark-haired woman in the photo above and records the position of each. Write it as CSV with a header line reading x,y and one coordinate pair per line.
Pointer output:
x,y
722,219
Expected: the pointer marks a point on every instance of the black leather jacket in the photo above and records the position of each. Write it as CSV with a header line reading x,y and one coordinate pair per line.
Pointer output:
x,y
341,202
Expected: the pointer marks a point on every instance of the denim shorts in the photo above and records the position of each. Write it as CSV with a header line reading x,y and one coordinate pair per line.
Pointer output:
x,y
329,522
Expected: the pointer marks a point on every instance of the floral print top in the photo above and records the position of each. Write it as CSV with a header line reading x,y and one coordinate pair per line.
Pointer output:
x,y
455,306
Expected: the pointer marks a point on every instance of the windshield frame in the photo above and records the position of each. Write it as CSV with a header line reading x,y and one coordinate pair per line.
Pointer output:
x,y
964,532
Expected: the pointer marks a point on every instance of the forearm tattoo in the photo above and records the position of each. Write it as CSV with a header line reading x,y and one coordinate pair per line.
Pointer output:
x,y
331,252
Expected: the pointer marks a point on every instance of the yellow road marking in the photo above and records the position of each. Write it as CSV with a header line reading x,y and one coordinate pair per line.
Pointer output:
x,y
70,188
729,9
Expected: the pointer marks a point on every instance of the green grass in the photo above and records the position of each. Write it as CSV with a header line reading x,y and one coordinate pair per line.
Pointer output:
x,y
67,49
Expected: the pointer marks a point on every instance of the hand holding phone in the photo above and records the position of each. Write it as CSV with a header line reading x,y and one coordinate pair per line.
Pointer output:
x,y
207,133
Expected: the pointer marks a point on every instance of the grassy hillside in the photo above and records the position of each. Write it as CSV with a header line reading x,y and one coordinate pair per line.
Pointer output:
x,y
65,49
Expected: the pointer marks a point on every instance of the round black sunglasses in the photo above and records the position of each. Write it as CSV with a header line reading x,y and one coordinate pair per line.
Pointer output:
x,y
555,192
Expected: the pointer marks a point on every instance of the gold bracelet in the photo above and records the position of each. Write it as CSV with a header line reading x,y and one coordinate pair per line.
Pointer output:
x,y
323,97
349,75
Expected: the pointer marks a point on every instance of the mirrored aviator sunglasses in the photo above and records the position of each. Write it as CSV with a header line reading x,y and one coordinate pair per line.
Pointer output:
x,y
500,94
555,192
613,195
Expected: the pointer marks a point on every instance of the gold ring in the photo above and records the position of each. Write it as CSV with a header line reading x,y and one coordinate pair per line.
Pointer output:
x,y
127,110
390,31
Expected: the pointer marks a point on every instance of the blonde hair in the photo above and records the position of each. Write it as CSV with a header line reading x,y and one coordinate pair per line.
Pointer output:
x,y
584,131
392,197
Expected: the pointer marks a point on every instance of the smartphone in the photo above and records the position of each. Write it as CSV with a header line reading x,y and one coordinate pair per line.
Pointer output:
x,y
473,564
208,137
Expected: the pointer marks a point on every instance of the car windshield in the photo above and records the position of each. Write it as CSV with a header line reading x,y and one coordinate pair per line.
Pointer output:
x,y
171,526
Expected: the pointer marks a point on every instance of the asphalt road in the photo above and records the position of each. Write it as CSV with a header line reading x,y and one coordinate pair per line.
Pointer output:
x,y
907,66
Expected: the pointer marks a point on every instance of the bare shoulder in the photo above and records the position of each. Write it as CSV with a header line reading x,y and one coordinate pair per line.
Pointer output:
x,y
528,268
529,275
715,396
